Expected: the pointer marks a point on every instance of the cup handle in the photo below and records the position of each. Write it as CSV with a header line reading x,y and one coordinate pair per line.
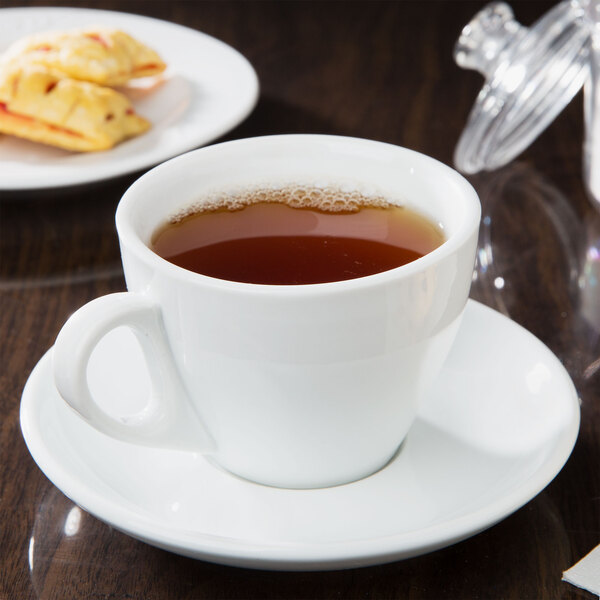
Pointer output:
x,y
168,420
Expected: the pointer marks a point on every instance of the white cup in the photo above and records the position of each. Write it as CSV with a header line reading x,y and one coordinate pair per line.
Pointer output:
x,y
296,386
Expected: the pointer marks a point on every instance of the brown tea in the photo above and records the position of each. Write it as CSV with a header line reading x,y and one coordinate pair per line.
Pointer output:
x,y
295,236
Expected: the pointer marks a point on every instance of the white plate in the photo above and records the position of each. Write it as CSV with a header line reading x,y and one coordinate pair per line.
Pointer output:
x,y
208,89
498,427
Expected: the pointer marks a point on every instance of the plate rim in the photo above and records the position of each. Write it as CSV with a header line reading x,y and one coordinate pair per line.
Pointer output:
x,y
304,556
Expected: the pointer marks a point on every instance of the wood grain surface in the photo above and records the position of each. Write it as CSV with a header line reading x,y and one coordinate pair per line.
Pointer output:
x,y
378,70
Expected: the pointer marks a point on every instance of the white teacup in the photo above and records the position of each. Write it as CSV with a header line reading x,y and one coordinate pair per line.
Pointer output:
x,y
295,386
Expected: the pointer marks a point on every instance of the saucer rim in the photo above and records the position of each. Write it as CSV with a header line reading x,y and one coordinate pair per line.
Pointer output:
x,y
303,556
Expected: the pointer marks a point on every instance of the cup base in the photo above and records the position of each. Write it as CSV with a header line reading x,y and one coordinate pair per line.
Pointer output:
x,y
317,485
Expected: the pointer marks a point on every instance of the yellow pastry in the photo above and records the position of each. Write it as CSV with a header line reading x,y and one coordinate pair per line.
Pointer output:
x,y
100,55
44,106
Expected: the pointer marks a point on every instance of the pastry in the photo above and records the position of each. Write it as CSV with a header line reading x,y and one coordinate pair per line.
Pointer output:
x,y
100,55
43,105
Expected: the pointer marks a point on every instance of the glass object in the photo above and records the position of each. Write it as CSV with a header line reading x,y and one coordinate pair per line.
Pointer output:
x,y
531,75
591,147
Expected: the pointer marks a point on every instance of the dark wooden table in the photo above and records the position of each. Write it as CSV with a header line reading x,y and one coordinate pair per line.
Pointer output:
x,y
380,70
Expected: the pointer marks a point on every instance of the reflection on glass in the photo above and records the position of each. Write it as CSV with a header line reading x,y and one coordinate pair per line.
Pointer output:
x,y
73,521
31,551
589,277
519,207
539,262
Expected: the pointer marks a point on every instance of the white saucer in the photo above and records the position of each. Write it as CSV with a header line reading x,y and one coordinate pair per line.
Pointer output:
x,y
207,89
500,424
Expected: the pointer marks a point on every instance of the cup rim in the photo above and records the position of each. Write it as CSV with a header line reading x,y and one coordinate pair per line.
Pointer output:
x,y
129,237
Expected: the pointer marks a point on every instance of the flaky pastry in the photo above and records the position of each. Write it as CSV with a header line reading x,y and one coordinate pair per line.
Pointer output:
x,y
100,55
44,106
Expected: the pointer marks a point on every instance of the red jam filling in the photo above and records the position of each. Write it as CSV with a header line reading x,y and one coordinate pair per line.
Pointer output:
x,y
97,38
145,67
4,109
